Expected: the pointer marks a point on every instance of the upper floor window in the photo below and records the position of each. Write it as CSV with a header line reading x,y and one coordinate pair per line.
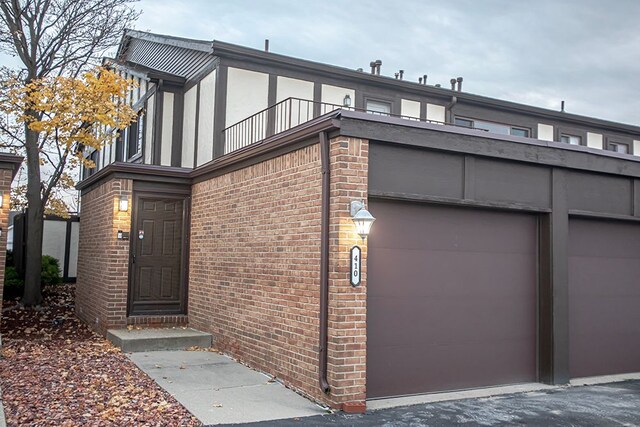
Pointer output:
x,y
571,139
618,147
135,136
492,127
378,107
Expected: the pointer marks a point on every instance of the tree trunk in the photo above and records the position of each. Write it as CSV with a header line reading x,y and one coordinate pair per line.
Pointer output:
x,y
35,222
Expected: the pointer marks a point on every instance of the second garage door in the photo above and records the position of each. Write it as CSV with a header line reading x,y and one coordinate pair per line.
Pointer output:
x,y
451,299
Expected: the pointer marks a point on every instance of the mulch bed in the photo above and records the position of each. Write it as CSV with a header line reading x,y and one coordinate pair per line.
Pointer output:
x,y
54,371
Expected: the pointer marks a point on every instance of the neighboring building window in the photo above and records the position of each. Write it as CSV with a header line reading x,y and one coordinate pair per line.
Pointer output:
x,y
618,147
135,136
492,127
571,139
378,107
87,172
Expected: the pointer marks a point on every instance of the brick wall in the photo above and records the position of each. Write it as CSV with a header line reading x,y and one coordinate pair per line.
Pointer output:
x,y
255,268
101,289
6,176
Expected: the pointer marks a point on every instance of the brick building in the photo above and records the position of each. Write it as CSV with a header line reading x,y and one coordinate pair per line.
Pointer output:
x,y
505,250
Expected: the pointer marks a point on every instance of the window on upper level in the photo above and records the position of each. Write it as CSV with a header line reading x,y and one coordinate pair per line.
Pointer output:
x,y
618,147
135,136
378,107
492,127
571,139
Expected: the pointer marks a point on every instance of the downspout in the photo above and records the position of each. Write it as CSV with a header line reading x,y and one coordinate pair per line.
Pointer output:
x,y
324,263
448,116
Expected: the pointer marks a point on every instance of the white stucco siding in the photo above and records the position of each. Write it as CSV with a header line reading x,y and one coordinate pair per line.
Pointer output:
x,y
436,113
167,128
594,140
297,111
73,249
636,148
335,95
410,108
148,141
247,94
545,132
54,236
205,118
189,127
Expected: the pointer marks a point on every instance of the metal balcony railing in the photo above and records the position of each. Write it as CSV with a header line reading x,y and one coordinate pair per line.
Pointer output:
x,y
283,116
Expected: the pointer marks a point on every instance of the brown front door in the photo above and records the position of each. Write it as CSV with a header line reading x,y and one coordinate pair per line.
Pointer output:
x,y
451,299
157,285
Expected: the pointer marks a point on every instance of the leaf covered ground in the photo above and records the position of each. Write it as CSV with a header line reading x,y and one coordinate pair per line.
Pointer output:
x,y
55,372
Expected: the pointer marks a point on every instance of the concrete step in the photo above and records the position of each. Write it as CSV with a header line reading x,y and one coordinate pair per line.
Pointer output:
x,y
137,340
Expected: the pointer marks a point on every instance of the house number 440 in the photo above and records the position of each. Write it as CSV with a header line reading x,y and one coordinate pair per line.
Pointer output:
x,y
356,265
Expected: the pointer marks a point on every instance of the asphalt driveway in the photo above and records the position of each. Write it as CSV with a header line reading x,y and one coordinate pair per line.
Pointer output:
x,y
614,404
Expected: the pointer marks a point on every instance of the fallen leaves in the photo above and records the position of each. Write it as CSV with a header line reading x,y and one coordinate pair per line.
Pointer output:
x,y
61,374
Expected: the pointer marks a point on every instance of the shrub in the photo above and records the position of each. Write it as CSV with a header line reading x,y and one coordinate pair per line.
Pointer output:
x,y
13,284
51,274
9,259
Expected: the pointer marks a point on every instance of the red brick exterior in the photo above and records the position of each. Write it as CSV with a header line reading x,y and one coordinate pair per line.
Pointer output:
x,y
103,260
6,177
255,268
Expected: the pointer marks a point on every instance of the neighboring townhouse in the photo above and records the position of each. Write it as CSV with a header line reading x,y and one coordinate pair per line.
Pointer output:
x,y
506,247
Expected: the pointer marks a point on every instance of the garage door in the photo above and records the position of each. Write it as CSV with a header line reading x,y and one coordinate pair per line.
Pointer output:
x,y
604,297
451,299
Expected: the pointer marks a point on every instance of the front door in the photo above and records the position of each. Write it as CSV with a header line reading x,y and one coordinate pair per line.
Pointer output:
x,y
157,264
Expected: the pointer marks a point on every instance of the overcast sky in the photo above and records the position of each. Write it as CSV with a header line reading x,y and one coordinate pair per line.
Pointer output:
x,y
538,52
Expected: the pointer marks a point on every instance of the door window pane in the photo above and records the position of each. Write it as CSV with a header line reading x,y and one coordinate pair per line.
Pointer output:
x,y
378,107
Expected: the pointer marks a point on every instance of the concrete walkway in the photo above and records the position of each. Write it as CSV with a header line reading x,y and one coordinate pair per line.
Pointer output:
x,y
219,390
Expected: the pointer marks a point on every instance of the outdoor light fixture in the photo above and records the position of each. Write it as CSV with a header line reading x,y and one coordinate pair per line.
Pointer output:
x,y
346,102
124,204
361,217
1,199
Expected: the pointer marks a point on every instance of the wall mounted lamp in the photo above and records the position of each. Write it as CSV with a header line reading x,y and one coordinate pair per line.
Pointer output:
x,y
346,102
1,199
123,205
361,217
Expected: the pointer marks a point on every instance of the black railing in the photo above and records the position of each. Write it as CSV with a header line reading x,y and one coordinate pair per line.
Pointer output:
x,y
281,117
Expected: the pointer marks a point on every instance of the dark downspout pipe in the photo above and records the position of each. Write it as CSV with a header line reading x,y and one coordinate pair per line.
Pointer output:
x,y
324,263
448,116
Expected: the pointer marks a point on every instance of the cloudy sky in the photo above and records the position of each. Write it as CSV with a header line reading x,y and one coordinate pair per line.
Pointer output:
x,y
540,52
586,52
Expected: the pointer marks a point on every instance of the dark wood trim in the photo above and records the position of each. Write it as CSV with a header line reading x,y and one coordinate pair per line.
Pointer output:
x,y
136,171
195,142
469,187
559,240
601,215
271,100
220,111
178,118
456,202
317,98
635,184
67,251
157,128
11,162
545,300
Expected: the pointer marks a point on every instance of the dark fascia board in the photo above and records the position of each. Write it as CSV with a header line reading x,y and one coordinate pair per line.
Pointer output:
x,y
11,161
137,171
481,143
293,139
149,73
224,49
193,44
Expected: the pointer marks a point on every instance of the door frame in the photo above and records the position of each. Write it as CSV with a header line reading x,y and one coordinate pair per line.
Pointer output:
x,y
154,190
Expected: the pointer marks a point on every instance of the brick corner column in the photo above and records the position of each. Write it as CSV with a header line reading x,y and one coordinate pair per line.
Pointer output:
x,y
347,347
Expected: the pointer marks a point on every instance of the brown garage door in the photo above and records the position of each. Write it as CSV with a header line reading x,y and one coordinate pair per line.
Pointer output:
x,y
604,297
451,299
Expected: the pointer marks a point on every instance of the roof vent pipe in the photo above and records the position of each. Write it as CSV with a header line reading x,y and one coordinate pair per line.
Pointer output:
x,y
401,74
397,74
373,65
562,107
266,45
459,80
420,80
453,84
424,79
378,65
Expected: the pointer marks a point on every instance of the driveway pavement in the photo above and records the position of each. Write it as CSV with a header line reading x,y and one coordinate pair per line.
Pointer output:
x,y
614,404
